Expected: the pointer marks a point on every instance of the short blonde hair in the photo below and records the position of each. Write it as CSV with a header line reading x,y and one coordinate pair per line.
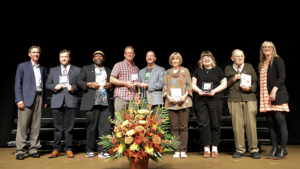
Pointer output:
x,y
206,53
262,57
173,55
130,48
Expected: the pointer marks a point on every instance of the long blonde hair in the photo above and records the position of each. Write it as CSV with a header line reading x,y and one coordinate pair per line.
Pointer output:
x,y
262,57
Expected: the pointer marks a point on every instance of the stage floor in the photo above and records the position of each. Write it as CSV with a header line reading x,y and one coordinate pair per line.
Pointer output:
x,y
194,160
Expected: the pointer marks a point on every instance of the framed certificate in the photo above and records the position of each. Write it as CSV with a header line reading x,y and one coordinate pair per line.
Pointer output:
x,y
64,80
246,80
207,86
176,93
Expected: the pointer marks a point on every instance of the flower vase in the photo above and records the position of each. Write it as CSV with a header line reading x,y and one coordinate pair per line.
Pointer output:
x,y
141,164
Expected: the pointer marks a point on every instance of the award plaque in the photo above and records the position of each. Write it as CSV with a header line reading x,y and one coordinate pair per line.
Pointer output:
x,y
64,80
100,80
176,93
246,80
207,86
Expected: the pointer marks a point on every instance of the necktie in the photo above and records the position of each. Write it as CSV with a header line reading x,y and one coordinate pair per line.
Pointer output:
x,y
238,70
65,71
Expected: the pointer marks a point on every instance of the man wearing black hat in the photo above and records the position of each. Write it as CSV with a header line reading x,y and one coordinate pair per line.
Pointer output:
x,y
96,102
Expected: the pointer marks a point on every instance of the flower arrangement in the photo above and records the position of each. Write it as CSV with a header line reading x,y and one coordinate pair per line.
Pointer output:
x,y
140,133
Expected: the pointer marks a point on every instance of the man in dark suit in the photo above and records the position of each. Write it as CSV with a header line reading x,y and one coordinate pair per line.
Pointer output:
x,y
31,98
61,81
96,102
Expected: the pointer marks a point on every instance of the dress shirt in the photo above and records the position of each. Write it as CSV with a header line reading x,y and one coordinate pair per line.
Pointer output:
x,y
235,67
37,75
63,68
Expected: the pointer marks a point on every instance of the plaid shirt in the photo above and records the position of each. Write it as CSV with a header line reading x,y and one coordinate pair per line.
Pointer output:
x,y
122,71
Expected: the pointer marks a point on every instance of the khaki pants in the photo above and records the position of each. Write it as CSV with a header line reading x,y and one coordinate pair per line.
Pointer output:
x,y
29,118
243,115
120,104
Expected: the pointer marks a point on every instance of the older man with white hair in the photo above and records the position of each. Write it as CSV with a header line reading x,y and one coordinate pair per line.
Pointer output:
x,y
242,104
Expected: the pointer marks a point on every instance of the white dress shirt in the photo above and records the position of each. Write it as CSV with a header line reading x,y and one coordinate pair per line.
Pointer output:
x,y
235,67
63,68
37,75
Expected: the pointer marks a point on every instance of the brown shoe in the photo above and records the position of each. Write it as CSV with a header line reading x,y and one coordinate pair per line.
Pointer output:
x,y
69,154
206,154
54,154
214,154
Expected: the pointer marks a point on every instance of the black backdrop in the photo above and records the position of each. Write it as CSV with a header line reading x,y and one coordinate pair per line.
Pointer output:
x,y
188,34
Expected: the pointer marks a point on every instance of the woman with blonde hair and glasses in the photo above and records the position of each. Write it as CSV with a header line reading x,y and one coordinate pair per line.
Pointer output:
x,y
178,91
208,81
274,97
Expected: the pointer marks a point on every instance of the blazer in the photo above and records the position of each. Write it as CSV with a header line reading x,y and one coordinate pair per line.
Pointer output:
x,y
276,77
87,74
25,86
155,84
58,96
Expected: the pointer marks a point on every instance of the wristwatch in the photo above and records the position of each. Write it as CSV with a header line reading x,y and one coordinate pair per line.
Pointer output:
x,y
90,85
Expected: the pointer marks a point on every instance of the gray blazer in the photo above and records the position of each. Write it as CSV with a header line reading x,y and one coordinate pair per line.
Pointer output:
x,y
59,95
155,84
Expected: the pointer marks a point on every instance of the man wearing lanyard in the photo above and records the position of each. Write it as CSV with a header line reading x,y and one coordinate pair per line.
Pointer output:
x,y
31,98
151,79
124,75
96,102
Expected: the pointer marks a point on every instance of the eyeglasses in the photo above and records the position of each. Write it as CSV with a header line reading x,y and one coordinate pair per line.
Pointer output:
x,y
267,47
129,53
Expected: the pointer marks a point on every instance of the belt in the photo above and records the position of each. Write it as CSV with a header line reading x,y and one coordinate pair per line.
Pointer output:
x,y
38,92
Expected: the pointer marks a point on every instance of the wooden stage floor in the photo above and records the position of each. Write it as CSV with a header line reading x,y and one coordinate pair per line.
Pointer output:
x,y
194,160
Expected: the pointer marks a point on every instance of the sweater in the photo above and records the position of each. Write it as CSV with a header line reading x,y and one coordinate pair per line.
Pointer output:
x,y
235,91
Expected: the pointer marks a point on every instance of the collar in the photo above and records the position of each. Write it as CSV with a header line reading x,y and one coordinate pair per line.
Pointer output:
x,y
64,66
34,65
235,66
128,62
102,68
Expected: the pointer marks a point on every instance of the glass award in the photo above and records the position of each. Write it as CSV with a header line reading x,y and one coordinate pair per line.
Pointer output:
x,y
207,87
176,93
64,80
246,80
134,78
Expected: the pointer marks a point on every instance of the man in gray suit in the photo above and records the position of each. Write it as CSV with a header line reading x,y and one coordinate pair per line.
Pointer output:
x,y
62,82
151,79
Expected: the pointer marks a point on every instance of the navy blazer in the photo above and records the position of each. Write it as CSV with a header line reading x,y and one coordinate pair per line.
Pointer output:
x,y
25,86
87,74
58,96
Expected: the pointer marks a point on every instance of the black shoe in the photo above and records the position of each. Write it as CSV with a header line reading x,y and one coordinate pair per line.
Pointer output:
x,y
281,154
255,155
238,155
20,157
34,155
272,153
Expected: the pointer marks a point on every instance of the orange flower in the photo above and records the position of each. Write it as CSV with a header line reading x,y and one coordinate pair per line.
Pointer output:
x,y
139,128
138,140
140,117
156,139
128,140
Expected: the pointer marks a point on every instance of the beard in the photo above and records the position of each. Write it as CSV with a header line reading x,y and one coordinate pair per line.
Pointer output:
x,y
99,63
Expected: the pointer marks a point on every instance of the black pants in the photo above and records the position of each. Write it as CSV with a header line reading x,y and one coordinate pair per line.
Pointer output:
x,y
208,113
63,122
96,119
